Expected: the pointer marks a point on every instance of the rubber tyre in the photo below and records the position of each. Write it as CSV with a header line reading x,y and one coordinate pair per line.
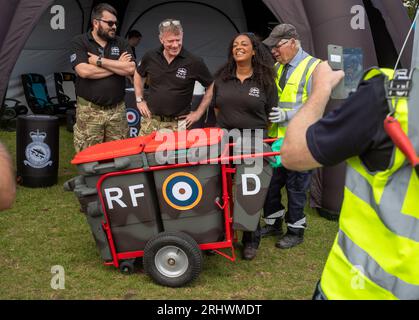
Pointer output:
x,y
189,252
127,267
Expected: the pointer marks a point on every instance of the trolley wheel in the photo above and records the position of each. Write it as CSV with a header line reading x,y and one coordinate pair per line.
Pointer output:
x,y
127,267
172,259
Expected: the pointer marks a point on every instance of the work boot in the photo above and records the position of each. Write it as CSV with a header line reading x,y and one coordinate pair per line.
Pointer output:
x,y
249,253
272,229
290,240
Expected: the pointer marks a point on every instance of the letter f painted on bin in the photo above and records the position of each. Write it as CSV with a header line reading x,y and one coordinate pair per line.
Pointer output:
x,y
134,195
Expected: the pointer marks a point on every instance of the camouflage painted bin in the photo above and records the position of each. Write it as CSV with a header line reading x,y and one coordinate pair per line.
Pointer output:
x,y
187,200
250,189
91,207
131,225
168,200
131,205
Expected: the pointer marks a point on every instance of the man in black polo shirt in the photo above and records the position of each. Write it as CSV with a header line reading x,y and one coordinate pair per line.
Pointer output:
x,y
171,71
134,38
102,61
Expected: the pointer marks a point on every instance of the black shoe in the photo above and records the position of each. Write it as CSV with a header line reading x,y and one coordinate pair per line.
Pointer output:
x,y
270,230
289,241
249,253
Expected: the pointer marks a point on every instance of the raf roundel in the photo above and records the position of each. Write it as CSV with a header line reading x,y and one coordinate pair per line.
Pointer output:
x,y
133,117
182,191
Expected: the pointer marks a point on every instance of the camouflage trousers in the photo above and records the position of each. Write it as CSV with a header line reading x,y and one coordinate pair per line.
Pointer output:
x,y
96,124
149,125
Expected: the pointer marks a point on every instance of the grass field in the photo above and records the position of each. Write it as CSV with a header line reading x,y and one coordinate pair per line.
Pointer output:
x,y
45,228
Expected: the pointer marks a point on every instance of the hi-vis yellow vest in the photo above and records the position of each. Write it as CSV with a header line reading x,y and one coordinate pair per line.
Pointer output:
x,y
295,91
376,252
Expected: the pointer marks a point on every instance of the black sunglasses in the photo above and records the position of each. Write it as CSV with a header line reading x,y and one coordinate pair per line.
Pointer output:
x,y
109,22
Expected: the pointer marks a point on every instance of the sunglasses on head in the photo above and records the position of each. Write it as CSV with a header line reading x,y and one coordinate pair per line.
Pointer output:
x,y
109,22
168,23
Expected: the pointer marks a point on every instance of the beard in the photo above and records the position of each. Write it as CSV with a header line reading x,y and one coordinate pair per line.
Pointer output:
x,y
105,35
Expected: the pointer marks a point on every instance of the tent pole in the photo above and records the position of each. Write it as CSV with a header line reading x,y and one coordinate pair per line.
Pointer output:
x,y
415,55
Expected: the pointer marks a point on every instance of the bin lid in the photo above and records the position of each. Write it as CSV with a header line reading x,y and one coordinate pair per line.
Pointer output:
x,y
178,140
112,150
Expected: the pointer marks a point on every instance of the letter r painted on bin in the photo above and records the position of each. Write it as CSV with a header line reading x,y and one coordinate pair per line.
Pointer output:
x,y
246,178
114,194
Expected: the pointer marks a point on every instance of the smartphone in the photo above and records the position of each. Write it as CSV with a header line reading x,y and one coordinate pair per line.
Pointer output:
x,y
335,59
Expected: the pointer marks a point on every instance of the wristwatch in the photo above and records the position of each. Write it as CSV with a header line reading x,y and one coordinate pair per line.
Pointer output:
x,y
99,61
140,99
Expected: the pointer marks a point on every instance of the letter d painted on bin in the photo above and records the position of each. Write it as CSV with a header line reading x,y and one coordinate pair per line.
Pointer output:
x,y
246,181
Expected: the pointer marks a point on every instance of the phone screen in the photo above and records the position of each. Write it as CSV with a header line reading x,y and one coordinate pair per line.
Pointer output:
x,y
353,66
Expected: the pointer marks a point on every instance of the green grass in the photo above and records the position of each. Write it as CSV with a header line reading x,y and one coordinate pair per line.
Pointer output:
x,y
45,228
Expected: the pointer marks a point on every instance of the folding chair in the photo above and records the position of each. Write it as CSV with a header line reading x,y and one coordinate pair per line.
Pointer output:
x,y
66,95
65,88
10,109
39,101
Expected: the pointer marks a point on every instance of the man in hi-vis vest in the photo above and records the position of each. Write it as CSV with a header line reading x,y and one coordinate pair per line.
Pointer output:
x,y
376,252
294,68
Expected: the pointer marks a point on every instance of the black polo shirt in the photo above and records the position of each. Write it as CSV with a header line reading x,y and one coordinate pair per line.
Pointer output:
x,y
354,129
243,105
171,85
107,91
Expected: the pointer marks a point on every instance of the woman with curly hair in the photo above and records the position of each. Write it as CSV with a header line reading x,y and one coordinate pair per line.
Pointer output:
x,y
244,94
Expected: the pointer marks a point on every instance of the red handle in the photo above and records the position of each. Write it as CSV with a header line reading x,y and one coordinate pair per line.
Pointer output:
x,y
396,133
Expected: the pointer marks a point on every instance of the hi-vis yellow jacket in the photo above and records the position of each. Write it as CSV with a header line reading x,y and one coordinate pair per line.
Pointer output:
x,y
295,91
376,252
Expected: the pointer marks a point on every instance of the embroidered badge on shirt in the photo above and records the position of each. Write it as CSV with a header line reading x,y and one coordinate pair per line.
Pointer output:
x,y
115,51
254,92
73,57
181,73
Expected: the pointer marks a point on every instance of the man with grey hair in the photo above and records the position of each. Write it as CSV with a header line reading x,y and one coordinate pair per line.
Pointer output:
x,y
171,71
294,69
7,180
